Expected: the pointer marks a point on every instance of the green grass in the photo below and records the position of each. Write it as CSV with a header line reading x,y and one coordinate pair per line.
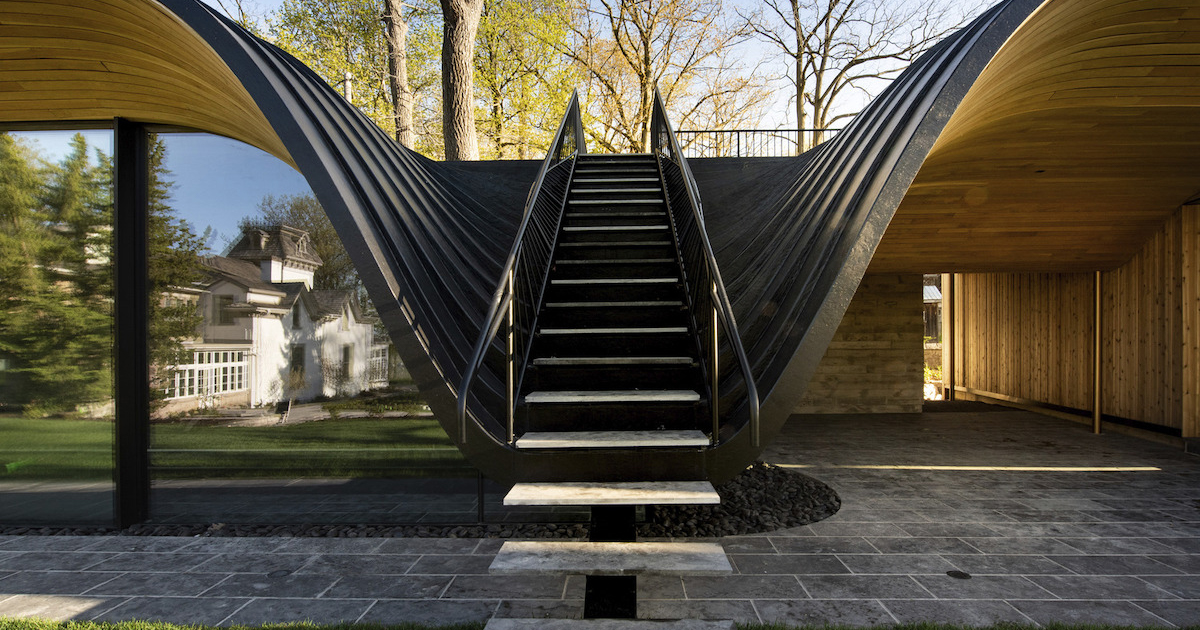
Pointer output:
x,y
27,624
32,449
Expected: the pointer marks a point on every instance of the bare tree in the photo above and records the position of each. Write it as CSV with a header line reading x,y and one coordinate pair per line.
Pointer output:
x,y
460,25
839,47
396,33
685,47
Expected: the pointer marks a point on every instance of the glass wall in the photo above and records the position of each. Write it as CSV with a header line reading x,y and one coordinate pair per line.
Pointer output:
x,y
274,399
56,327
275,396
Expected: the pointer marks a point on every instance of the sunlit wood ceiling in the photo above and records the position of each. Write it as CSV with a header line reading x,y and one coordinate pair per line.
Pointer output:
x,y
1076,142
67,60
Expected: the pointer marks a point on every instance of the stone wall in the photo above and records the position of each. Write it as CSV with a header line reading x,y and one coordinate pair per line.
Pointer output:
x,y
874,363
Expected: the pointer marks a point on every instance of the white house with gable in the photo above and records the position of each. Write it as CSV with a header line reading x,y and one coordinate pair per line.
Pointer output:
x,y
269,336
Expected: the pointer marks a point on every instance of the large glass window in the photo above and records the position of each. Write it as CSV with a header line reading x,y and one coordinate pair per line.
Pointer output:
x,y
275,401
56,327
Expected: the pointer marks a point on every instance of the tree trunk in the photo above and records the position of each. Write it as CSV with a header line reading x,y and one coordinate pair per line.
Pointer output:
x,y
402,100
461,23
801,51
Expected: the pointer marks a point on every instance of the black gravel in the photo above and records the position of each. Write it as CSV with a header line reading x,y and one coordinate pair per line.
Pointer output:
x,y
764,498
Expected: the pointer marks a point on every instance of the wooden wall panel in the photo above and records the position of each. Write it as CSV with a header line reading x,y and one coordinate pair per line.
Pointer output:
x,y
1190,306
1029,336
1142,330
1026,336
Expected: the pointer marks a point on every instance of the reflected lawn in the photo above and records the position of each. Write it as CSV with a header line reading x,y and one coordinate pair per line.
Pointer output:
x,y
360,447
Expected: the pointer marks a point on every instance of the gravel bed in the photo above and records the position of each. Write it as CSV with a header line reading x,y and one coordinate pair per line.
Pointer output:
x,y
763,498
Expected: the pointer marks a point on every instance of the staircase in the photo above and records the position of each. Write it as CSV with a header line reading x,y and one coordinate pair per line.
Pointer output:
x,y
614,359
613,365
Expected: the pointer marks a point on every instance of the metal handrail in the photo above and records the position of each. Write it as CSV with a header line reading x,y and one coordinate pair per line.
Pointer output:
x,y
568,143
699,143
664,143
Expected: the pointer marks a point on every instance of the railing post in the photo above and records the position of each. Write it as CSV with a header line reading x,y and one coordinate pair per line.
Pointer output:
x,y
714,377
510,377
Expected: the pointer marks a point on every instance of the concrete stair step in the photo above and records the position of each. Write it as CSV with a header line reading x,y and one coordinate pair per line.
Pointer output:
x,y
615,202
603,361
585,493
611,558
612,439
627,330
570,281
606,624
613,396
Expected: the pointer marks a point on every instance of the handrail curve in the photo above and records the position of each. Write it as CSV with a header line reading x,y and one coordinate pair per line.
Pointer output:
x,y
567,144
665,144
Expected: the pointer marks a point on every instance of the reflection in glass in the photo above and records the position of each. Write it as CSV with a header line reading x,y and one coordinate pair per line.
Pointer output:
x,y
279,401
56,338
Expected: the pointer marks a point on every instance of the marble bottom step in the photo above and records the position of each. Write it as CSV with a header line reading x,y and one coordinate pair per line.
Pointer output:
x,y
606,624
587,493
611,558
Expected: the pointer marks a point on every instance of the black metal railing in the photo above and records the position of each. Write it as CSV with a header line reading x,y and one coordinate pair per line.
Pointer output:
x,y
523,282
708,301
708,143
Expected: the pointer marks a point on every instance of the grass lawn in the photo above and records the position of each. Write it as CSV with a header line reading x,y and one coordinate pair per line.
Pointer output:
x,y
63,449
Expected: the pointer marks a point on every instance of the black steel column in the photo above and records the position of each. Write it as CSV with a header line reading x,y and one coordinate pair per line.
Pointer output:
x,y
611,596
131,371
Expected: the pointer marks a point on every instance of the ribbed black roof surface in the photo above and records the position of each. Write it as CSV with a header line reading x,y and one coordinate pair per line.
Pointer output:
x,y
793,236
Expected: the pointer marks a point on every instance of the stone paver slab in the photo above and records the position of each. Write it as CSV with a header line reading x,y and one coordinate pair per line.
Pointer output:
x,y
965,613
56,607
390,587
743,587
324,611
242,585
159,584
431,612
854,613
1102,612
788,564
180,610
863,587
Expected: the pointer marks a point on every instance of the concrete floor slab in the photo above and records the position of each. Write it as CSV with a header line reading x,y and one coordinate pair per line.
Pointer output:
x,y
1051,522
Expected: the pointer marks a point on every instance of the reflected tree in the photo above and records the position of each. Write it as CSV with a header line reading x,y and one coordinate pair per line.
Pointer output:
x,y
56,283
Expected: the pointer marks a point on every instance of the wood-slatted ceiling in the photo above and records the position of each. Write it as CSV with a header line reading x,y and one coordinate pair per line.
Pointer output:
x,y
67,60
1077,141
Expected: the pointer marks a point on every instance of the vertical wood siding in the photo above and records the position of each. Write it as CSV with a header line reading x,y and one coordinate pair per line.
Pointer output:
x,y
1029,336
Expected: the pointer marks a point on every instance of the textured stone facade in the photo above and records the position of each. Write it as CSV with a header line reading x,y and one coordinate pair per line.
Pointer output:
x,y
874,364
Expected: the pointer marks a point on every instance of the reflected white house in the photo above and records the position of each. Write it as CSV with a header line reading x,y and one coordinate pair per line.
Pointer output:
x,y
268,335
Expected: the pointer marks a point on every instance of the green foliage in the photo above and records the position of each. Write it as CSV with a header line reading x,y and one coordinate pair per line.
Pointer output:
x,y
56,280
933,374
174,250
334,37
56,330
522,82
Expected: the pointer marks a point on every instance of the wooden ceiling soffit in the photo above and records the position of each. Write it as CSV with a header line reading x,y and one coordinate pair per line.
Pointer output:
x,y
1076,142
66,60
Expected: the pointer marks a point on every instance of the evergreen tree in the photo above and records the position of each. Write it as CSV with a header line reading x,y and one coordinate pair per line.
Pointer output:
x,y
56,280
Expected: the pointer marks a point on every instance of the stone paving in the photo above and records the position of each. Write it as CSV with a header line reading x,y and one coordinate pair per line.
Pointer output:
x,y
973,517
